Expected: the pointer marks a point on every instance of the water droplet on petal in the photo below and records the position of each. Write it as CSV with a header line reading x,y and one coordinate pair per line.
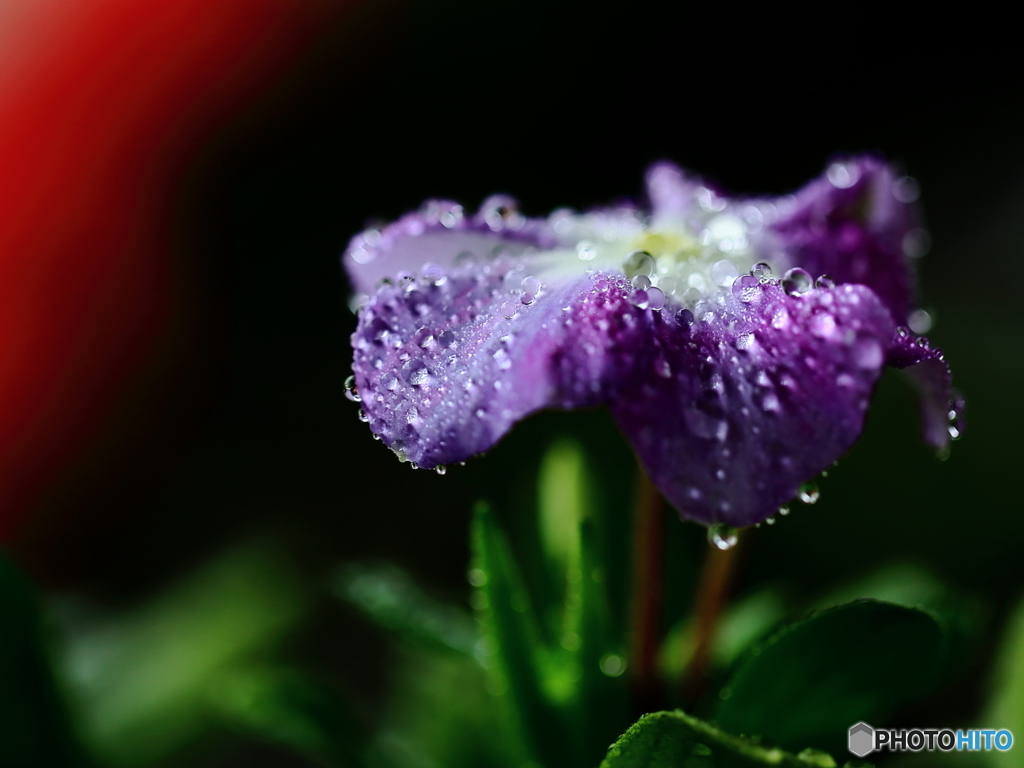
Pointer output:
x,y
445,339
685,317
415,372
668,284
638,263
722,536
585,250
797,282
762,271
920,321
723,272
639,299
746,288
350,390
655,298
508,310
783,511
809,493
530,284
824,281
641,282
842,176
440,469
389,381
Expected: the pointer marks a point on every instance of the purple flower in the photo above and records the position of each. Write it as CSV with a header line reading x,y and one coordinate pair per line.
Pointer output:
x,y
736,342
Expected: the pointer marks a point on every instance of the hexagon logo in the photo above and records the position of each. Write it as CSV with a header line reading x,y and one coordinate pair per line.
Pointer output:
x,y
862,739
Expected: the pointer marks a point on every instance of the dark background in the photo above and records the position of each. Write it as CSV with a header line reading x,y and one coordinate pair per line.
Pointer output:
x,y
558,104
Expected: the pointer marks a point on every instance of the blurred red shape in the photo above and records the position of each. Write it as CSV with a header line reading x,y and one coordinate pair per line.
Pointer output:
x,y
104,104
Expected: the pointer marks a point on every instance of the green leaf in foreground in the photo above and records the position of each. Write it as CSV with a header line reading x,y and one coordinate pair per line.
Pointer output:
x,y
675,740
807,683
512,641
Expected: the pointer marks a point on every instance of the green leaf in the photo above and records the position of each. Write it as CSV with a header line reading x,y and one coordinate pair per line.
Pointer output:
x,y
1006,707
807,683
512,642
389,597
675,740
34,729
141,680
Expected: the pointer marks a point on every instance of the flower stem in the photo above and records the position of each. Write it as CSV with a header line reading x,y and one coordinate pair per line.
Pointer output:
x,y
648,572
712,591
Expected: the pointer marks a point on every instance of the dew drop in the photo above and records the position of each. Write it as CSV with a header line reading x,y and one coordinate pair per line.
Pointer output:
x,y
669,285
638,263
797,282
527,299
415,372
441,469
723,272
585,250
770,520
783,511
350,390
655,298
445,339
809,493
530,284
762,271
746,288
639,299
722,536
824,281
920,321
685,317
842,175
641,282
508,310
362,416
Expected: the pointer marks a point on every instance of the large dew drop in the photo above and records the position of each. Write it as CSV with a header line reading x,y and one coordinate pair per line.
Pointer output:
x,y
723,536
797,282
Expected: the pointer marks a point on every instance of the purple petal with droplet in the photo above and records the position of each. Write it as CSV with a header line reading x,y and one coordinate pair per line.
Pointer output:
x,y
941,407
443,403
730,415
855,224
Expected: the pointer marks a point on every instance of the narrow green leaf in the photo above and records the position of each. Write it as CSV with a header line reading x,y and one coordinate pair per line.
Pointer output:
x,y
676,740
512,641
389,597
34,729
807,683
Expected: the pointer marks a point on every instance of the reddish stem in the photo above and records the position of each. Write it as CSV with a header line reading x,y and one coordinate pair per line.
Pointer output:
x,y
712,591
648,572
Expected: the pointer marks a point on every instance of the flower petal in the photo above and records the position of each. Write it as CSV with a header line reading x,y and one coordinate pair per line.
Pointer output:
x,y
941,407
446,366
732,414
857,224
439,235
